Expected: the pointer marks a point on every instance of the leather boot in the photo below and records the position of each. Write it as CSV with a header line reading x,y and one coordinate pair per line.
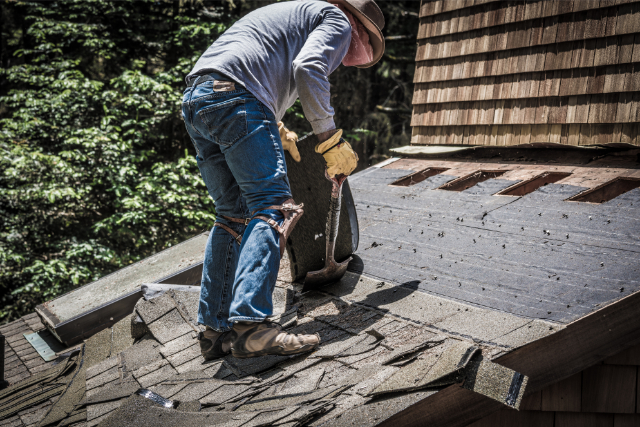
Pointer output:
x,y
251,339
213,344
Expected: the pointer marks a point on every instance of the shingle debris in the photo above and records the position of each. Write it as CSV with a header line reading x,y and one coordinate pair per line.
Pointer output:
x,y
367,361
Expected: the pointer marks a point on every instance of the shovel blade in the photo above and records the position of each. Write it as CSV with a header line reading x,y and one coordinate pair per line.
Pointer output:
x,y
331,273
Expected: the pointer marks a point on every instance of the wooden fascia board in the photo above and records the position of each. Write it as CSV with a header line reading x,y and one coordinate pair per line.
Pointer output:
x,y
452,407
579,345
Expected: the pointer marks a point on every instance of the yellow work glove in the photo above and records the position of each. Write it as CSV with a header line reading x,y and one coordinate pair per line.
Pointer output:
x,y
289,140
340,157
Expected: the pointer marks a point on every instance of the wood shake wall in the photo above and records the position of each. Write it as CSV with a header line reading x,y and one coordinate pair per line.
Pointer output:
x,y
517,72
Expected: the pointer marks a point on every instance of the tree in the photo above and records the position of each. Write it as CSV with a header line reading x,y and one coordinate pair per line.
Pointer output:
x,y
95,166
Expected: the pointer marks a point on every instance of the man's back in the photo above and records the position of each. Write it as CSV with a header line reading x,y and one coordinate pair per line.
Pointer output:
x,y
283,51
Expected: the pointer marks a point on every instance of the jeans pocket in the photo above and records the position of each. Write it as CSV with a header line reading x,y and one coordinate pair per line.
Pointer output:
x,y
226,121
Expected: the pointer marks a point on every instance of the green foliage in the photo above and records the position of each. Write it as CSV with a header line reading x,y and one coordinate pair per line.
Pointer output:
x,y
94,168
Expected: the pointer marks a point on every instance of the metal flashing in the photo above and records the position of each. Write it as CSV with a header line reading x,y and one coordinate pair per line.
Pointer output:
x,y
45,344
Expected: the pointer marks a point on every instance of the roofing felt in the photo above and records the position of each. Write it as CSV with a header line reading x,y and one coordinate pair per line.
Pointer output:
x,y
536,256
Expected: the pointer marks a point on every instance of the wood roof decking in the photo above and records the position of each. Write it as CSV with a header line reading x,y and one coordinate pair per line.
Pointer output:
x,y
485,71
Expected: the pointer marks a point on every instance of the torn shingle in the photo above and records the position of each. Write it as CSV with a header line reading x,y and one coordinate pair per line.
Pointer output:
x,y
144,353
101,367
292,400
98,411
270,417
400,352
184,356
305,413
138,410
329,351
368,343
303,382
149,369
97,348
409,377
121,338
168,390
178,344
40,387
69,399
77,416
103,378
439,363
198,390
189,406
189,302
162,371
455,356
495,381
224,394
374,413
196,364
169,327
113,391
254,365
287,319
363,358
366,386
153,309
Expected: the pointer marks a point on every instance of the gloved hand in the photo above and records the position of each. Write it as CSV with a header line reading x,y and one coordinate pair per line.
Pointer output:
x,y
289,140
340,157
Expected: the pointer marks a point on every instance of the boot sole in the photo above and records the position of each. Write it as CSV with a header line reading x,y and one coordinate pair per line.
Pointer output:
x,y
273,352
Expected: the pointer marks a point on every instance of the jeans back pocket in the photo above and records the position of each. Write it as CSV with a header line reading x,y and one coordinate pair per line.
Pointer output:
x,y
226,120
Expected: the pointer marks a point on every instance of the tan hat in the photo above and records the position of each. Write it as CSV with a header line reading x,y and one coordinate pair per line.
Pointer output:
x,y
368,12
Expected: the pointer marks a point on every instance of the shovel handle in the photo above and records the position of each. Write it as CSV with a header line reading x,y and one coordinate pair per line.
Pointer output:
x,y
333,218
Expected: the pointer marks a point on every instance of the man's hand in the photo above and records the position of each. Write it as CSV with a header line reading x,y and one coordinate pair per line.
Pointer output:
x,y
289,140
340,157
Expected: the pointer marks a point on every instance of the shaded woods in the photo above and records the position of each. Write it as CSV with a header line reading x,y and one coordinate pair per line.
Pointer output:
x,y
96,169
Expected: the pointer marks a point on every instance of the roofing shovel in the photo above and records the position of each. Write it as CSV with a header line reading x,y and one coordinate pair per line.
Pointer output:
x,y
332,271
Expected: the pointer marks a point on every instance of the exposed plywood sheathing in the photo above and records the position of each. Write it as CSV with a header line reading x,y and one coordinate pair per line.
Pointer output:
x,y
510,73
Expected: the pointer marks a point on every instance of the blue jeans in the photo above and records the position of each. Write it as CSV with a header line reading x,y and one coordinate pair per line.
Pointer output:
x,y
242,163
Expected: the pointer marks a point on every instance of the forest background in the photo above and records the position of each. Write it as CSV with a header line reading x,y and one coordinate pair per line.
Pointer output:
x,y
96,168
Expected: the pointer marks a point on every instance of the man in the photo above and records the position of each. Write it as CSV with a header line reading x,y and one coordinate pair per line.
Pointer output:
x,y
237,93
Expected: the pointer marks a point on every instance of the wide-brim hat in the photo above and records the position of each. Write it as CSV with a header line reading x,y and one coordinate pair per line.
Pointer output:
x,y
369,13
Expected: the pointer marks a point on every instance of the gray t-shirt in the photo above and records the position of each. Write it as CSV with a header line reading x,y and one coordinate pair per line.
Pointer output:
x,y
283,51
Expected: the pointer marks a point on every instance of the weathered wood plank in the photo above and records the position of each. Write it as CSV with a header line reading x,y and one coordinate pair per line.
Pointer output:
x,y
609,388
564,395
630,356
575,419
510,418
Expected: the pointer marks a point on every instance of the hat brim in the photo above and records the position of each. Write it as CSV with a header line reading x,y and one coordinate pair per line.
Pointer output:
x,y
375,34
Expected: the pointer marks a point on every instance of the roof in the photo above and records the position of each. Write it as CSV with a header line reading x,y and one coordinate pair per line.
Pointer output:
x,y
367,355
426,326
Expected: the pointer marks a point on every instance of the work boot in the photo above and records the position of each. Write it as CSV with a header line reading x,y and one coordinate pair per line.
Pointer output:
x,y
250,339
214,344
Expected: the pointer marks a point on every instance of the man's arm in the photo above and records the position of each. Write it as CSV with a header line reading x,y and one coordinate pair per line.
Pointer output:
x,y
321,54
